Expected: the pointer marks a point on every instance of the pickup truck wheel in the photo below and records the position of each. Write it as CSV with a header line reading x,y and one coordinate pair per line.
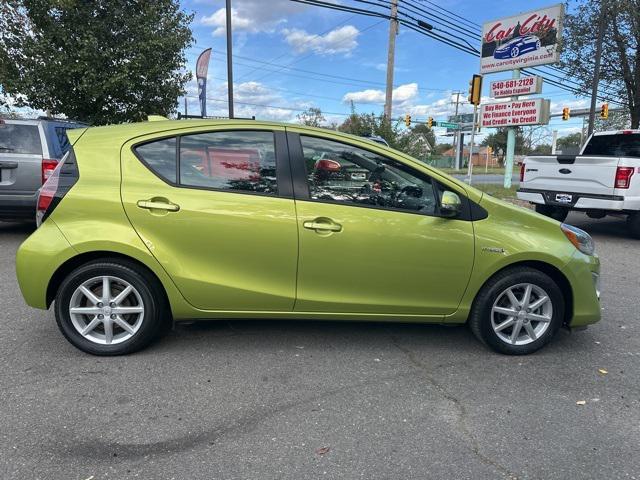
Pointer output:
x,y
633,222
557,213
517,311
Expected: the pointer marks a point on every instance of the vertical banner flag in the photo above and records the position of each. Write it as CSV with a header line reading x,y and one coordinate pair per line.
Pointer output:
x,y
202,67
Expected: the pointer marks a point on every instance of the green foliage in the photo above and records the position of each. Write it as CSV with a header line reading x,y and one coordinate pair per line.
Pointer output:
x,y
569,142
417,141
498,143
103,61
541,149
312,117
620,53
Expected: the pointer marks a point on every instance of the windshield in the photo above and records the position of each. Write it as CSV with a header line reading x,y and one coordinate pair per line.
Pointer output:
x,y
619,145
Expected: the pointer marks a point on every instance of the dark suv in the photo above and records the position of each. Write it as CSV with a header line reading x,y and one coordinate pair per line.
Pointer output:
x,y
29,151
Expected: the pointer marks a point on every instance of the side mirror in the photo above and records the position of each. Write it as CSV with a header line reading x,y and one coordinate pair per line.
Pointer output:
x,y
450,204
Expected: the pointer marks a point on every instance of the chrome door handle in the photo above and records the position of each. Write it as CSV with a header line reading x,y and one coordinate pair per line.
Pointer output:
x,y
320,224
158,205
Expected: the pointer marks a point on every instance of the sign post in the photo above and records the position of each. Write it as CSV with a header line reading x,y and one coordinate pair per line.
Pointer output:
x,y
511,144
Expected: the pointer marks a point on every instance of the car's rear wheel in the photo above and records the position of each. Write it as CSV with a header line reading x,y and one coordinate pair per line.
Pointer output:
x,y
557,213
517,311
110,307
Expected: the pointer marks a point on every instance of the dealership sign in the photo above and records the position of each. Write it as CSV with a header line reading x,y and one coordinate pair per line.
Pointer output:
x,y
516,86
533,111
524,40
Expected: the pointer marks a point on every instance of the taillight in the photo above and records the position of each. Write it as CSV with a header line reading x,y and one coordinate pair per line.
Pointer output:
x,y
521,172
57,183
48,166
623,177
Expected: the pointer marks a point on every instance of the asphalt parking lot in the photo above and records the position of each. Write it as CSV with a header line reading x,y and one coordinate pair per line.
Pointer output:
x,y
278,399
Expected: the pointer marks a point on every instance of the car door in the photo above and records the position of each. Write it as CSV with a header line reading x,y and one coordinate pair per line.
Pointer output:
x,y
215,208
371,237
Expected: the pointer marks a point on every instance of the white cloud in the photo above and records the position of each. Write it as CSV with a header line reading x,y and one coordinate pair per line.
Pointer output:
x,y
401,95
340,40
253,16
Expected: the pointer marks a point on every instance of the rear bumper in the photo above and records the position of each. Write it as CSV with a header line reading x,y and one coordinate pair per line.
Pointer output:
x,y
580,201
18,206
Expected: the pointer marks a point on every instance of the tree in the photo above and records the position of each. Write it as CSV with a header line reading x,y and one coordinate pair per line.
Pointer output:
x,y
569,142
498,143
102,61
312,117
620,53
541,149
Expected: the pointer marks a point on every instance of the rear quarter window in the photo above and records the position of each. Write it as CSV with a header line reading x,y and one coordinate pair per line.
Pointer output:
x,y
160,157
18,138
619,145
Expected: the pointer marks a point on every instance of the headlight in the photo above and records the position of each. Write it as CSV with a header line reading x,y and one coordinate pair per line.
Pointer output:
x,y
580,239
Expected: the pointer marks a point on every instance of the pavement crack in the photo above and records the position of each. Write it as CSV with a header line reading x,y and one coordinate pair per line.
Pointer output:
x,y
473,444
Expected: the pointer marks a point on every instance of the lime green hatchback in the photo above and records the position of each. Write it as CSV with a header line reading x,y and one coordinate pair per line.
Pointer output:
x,y
145,224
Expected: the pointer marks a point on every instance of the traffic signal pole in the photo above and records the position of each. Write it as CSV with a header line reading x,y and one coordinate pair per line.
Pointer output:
x,y
511,144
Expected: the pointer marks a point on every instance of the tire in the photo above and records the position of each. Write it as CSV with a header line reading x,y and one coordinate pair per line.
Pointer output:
x,y
557,213
515,51
484,322
633,223
149,310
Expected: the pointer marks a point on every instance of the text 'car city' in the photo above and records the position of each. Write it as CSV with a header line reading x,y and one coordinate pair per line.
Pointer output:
x,y
147,223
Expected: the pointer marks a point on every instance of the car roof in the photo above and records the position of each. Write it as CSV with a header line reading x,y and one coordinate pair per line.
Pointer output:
x,y
36,121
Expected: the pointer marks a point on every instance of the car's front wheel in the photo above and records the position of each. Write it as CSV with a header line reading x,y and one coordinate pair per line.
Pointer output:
x,y
517,311
515,51
110,307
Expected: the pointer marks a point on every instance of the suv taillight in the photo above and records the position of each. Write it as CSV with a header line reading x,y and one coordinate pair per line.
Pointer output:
x,y
522,172
623,177
59,181
48,166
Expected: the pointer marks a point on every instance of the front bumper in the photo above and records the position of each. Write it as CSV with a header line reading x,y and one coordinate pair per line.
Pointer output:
x,y
583,273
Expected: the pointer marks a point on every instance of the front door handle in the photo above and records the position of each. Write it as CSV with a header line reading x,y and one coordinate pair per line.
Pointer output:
x,y
158,204
322,225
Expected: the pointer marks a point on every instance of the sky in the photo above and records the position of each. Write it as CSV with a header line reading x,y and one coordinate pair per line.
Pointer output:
x,y
290,56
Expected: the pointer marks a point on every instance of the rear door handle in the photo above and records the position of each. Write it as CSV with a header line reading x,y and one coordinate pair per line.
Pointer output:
x,y
323,225
8,164
158,205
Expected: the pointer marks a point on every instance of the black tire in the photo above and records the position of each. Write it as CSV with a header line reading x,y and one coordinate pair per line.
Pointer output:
x,y
557,213
155,319
633,223
480,320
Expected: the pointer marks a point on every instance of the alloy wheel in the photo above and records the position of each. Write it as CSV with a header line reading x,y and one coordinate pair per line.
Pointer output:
x,y
106,310
521,314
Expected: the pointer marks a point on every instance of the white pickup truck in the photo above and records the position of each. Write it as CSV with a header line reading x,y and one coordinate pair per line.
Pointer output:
x,y
603,180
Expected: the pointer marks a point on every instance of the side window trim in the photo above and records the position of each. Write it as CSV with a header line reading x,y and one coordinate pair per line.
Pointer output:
x,y
301,184
283,164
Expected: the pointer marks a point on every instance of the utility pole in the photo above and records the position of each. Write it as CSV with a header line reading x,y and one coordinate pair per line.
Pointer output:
x,y
596,70
393,31
229,60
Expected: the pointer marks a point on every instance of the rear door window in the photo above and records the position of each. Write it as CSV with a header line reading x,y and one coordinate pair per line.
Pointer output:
x,y
619,145
18,138
231,160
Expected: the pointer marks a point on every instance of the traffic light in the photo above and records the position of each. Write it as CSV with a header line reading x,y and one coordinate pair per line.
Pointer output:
x,y
566,113
407,120
475,90
604,110
430,122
